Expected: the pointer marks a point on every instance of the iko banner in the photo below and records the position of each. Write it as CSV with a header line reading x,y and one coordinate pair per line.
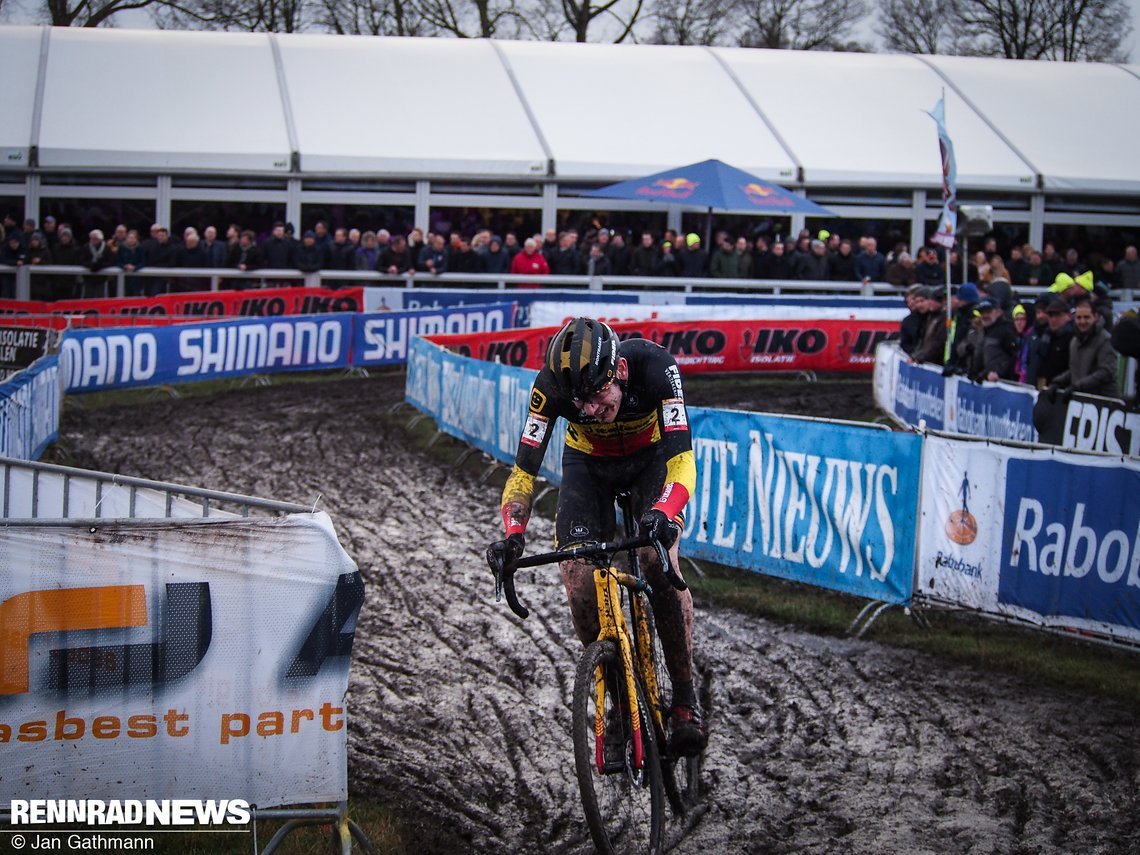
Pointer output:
x,y
29,409
1050,538
712,346
204,659
264,302
156,356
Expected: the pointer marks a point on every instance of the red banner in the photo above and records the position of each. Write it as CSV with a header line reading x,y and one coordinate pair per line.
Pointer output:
x,y
710,346
190,306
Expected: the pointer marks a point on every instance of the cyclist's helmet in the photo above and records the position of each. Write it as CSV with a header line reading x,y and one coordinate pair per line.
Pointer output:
x,y
583,358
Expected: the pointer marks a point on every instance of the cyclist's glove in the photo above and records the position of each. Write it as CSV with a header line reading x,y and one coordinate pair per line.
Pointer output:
x,y
505,552
655,525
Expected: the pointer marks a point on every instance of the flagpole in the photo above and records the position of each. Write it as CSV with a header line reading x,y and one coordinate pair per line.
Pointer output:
x,y
950,331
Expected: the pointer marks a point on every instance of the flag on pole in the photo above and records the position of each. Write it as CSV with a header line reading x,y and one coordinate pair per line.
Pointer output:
x,y
948,221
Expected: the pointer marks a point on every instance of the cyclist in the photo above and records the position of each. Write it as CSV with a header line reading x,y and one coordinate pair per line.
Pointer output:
x,y
627,430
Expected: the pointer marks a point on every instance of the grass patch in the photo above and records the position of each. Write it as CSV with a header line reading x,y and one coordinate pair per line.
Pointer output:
x,y
962,637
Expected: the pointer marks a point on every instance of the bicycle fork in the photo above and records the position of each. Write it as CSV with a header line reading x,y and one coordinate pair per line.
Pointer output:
x,y
613,627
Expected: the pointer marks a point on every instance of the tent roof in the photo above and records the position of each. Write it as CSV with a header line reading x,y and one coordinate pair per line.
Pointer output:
x,y
477,109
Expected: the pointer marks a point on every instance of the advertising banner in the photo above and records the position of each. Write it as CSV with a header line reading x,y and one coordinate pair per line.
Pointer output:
x,y
21,346
920,395
1050,538
384,338
831,505
1089,423
155,356
263,302
547,314
383,299
204,659
711,346
29,409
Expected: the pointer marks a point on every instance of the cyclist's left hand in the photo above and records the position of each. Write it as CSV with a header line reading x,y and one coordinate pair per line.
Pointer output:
x,y
654,524
503,552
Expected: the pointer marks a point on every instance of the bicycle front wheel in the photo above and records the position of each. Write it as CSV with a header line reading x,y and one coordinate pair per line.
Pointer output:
x,y
624,805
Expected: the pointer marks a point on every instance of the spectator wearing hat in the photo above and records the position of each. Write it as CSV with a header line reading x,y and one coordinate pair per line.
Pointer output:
x,y
668,262
310,255
932,348
962,301
694,261
1053,345
1025,366
910,328
996,354
1092,361
530,262
496,259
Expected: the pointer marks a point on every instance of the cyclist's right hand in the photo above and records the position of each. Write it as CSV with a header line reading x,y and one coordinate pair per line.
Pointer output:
x,y
503,552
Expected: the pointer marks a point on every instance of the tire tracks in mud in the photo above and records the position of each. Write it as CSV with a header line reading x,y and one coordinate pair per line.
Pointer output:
x,y
460,713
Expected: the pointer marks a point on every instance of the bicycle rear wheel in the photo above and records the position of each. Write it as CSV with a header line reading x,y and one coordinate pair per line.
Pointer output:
x,y
625,808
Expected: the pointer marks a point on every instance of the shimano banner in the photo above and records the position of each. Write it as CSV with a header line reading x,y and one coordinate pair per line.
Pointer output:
x,y
155,356
383,338
1050,538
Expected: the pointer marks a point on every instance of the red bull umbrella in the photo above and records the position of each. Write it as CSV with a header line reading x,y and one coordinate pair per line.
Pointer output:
x,y
713,185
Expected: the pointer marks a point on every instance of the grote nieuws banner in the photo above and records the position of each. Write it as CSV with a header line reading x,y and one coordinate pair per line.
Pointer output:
x,y
831,505
1048,537
711,346
266,302
204,659
29,409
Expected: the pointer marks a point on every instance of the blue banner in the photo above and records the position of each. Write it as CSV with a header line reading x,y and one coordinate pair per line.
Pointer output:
x,y
998,412
920,394
825,504
383,338
101,359
29,409
1071,542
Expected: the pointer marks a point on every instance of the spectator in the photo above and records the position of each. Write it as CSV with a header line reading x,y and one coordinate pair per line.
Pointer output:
x,y
667,263
233,235
779,263
416,244
12,255
278,251
191,254
997,285
564,260
433,257
95,256
619,255
131,257
1018,267
50,232
1092,361
932,347
694,261
962,301
323,238
1128,270
397,258
841,263
214,249
1025,365
815,265
310,255
367,254
464,259
596,263
761,255
732,261
511,245
901,272
910,329
870,266
1050,257
37,251
996,353
530,262
354,238
643,259
342,255
1053,346
1038,274
550,246
496,259
246,256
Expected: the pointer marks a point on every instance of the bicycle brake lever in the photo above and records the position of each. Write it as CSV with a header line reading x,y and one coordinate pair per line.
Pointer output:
x,y
667,567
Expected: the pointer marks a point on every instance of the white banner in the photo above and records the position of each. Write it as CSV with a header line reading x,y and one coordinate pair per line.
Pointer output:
x,y
1049,537
554,314
176,659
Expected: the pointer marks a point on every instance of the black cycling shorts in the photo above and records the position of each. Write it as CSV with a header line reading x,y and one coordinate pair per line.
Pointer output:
x,y
590,485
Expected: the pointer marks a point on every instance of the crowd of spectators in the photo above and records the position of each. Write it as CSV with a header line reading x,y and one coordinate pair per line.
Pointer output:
x,y
1059,342
822,257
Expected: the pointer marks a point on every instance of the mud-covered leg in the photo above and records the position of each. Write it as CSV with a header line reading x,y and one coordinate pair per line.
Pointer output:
x,y
578,579
673,613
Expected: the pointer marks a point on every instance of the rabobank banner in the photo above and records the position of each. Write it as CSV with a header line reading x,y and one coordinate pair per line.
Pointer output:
x,y
29,409
914,392
827,504
1050,538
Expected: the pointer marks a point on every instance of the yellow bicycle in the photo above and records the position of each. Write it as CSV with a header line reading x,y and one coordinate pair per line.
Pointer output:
x,y
624,769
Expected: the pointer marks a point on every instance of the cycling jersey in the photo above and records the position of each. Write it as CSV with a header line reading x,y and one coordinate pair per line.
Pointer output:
x,y
652,415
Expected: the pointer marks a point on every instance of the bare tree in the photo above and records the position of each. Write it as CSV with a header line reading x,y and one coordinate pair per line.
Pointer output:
x,y
549,20
1043,29
916,26
1094,30
264,16
88,13
471,18
691,22
799,24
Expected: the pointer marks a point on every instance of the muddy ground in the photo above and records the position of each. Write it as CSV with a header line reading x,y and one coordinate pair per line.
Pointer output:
x,y
460,712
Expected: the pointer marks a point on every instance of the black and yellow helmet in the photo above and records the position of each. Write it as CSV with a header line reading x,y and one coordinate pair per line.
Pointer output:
x,y
583,357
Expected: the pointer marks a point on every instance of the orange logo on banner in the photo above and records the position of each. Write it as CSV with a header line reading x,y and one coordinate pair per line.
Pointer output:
x,y
675,184
757,190
24,615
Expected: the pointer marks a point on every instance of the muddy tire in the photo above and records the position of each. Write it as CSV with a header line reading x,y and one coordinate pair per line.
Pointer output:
x,y
625,810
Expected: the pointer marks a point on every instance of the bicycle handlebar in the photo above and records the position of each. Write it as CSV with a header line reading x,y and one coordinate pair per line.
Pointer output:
x,y
505,573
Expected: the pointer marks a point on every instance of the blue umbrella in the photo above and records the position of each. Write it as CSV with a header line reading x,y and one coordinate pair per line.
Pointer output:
x,y
713,185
